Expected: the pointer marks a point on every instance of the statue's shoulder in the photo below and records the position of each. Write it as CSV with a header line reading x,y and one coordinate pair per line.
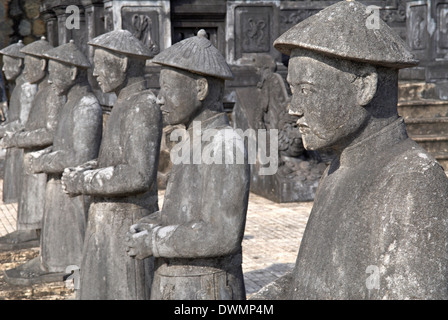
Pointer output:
x,y
89,100
21,80
144,100
411,161
144,96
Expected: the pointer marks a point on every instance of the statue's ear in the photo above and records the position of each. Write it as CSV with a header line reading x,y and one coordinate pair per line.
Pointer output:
x,y
367,85
43,64
20,62
202,86
124,64
73,73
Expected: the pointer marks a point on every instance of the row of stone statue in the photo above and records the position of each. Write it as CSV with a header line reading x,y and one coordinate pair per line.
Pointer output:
x,y
91,196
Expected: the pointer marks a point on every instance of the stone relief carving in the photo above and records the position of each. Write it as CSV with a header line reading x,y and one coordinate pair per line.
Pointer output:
x,y
418,37
142,25
443,26
254,27
255,33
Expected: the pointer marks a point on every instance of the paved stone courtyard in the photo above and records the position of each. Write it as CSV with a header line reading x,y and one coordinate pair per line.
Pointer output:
x,y
271,241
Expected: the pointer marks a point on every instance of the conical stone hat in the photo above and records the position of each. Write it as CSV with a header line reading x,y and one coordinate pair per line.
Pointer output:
x,y
122,41
13,50
70,54
341,30
37,48
197,55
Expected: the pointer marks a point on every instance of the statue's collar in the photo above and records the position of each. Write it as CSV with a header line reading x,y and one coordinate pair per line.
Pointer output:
x,y
215,121
78,91
384,139
43,83
131,89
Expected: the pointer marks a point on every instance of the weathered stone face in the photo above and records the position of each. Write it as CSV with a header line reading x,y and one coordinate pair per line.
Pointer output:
x,y
12,67
325,99
178,96
61,76
34,68
109,69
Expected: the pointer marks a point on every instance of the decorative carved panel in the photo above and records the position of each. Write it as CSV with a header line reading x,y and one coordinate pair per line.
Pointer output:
x,y
143,24
417,26
442,28
253,29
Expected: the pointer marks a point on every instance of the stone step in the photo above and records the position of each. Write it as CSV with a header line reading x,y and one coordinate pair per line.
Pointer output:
x,y
423,109
427,126
442,158
432,143
416,91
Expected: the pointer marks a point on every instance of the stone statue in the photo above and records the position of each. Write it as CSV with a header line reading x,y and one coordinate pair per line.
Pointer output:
x,y
378,227
32,105
76,140
22,94
196,237
266,108
123,180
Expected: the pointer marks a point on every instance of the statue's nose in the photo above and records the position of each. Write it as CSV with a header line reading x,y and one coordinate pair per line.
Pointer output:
x,y
160,100
295,111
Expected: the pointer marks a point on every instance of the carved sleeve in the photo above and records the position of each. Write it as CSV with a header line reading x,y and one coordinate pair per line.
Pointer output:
x,y
141,147
86,139
42,137
220,228
25,100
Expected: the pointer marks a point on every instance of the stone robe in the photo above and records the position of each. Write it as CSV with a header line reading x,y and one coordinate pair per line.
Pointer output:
x,y
32,198
379,225
76,140
197,245
19,109
38,134
125,189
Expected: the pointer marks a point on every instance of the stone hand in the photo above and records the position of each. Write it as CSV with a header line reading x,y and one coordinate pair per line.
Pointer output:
x,y
8,140
29,162
89,165
70,181
148,222
139,241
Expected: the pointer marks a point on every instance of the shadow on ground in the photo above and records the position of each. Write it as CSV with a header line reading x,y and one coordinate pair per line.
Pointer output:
x,y
48,291
267,275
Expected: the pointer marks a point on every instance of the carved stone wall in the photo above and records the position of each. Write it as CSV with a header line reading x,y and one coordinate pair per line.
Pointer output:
x,y
149,21
252,27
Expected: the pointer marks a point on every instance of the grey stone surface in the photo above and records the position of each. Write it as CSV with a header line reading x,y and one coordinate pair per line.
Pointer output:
x,y
75,140
53,124
123,180
196,237
265,107
22,93
377,229
36,133
32,196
